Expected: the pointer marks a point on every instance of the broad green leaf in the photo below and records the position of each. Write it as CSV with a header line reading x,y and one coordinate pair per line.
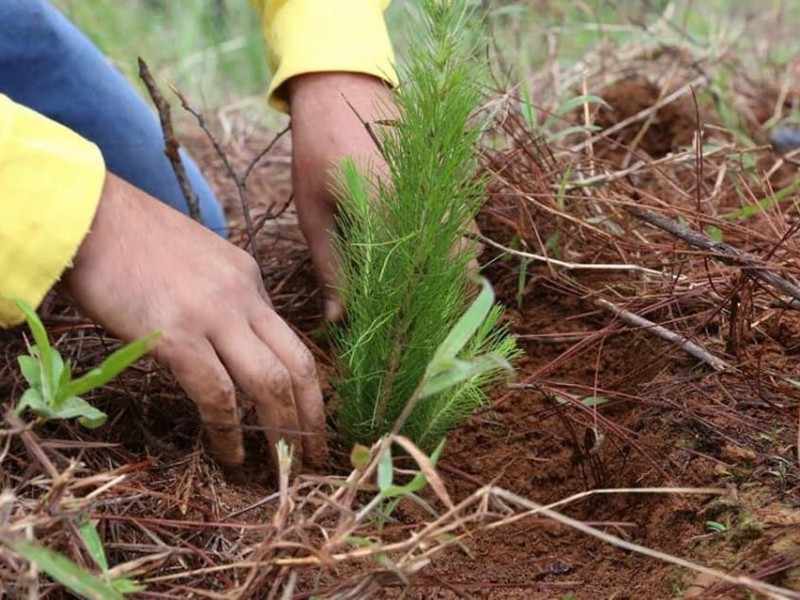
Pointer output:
x,y
112,366
30,369
93,544
45,350
465,327
385,470
88,416
64,571
457,371
32,399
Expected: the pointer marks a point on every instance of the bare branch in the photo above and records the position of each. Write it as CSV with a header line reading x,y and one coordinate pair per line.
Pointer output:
x,y
171,144
728,254
664,333
240,181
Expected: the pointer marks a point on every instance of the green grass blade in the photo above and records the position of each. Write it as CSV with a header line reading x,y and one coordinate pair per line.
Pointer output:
x,y
385,470
466,326
112,366
64,571
93,544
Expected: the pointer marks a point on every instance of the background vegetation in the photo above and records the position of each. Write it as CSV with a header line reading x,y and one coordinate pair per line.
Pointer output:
x,y
212,49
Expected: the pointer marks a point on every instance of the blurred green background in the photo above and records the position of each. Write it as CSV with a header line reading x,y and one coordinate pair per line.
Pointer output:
x,y
212,49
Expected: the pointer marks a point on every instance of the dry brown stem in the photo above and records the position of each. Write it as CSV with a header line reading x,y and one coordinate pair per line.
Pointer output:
x,y
684,344
171,144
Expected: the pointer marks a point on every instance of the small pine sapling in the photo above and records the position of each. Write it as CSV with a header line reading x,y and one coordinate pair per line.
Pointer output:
x,y
406,287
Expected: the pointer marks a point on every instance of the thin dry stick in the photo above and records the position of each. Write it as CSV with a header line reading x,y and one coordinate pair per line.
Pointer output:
x,y
695,350
722,251
171,144
771,591
573,266
641,165
241,182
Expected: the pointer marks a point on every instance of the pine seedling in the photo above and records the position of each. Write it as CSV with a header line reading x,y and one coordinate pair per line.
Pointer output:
x,y
405,286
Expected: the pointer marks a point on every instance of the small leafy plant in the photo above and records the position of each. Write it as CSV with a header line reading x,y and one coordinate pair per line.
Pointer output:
x,y
413,349
108,586
53,393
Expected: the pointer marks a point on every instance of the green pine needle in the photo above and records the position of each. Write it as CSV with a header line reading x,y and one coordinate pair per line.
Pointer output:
x,y
404,286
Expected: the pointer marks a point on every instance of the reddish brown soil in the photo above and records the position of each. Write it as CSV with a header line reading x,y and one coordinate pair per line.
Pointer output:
x,y
530,444
666,422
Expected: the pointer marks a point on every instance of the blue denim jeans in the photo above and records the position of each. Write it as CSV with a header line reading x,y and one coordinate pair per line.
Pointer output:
x,y
47,64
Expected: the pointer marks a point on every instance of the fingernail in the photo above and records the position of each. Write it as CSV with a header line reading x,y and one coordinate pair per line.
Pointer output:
x,y
333,310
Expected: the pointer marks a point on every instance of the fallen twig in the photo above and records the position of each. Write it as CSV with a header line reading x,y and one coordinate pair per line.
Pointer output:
x,y
171,144
684,344
767,589
241,182
572,266
722,251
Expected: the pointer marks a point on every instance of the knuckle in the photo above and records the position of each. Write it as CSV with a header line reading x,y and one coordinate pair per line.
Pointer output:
x,y
306,370
279,381
248,267
222,397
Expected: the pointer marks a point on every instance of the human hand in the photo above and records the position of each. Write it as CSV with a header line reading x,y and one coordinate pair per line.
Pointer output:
x,y
146,267
326,130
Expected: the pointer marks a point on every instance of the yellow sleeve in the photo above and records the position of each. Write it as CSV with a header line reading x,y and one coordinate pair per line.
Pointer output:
x,y
50,183
314,36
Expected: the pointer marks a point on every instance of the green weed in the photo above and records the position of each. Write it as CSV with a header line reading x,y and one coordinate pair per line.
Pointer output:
x,y
53,394
71,575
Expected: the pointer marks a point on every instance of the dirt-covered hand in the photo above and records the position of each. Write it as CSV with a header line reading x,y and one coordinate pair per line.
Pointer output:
x,y
146,267
328,113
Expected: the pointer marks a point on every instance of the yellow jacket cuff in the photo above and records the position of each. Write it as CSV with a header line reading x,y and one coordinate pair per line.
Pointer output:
x,y
51,180
315,36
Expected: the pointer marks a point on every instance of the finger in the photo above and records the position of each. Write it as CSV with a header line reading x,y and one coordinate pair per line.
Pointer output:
x,y
200,373
261,375
318,226
305,384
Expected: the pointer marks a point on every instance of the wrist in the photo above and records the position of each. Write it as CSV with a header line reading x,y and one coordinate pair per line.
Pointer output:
x,y
319,88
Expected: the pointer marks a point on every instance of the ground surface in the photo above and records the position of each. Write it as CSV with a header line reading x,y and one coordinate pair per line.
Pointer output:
x,y
597,404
